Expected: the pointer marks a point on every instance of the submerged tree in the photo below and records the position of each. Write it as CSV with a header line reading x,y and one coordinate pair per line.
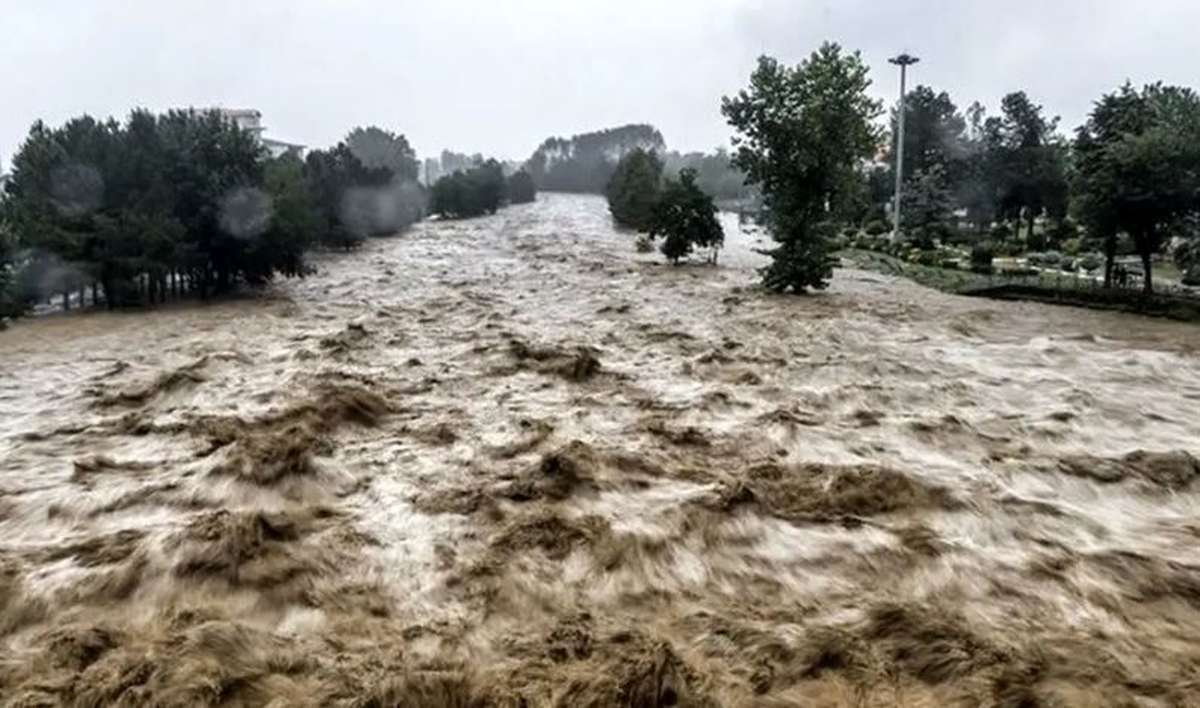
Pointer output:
x,y
801,134
686,218
634,188
475,192
521,189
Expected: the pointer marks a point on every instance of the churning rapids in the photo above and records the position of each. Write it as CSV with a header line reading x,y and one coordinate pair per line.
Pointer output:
x,y
509,461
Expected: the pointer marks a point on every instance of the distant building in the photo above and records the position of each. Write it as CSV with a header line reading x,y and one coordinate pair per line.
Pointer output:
x,y
250,121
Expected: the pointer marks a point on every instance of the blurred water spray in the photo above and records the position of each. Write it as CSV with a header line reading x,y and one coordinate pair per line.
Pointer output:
x,y
246,212
367,211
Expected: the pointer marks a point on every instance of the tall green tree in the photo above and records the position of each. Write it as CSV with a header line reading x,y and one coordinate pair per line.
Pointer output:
x,y
928,208
377,148
1138,167
634,189
1026,162
686,218
934,135
802,133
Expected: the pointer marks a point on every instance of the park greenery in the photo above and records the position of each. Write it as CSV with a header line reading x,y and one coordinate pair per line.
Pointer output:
x,y
1008,184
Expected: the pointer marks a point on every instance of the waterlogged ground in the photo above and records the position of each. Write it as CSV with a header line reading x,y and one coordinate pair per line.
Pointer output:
x,y
510,462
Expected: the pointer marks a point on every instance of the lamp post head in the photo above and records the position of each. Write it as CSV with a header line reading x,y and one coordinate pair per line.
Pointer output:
x,y
904,60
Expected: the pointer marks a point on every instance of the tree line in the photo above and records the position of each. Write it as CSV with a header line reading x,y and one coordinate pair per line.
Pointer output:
x,y
481,189
586,162
808,138
185,202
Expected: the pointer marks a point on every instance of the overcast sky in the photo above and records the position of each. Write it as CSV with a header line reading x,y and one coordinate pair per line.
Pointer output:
x,y
498,76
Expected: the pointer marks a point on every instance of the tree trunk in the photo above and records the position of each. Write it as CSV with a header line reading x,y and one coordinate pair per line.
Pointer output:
x,y
1032,218
66,301
95,293
1110,256
1147,277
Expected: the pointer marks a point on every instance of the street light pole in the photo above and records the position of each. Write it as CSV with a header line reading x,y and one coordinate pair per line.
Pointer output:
x,y
903,61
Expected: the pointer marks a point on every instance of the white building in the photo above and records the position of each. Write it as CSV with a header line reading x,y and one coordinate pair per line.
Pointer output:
x,y
250,120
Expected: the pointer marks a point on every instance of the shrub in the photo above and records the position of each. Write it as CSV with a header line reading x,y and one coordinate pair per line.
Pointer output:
x,y
877,228
1191,277
982,256
1091,262
1072,246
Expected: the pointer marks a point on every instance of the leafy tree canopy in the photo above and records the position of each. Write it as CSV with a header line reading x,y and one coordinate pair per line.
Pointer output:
x,y
686,218
634,188
1138,166
802,133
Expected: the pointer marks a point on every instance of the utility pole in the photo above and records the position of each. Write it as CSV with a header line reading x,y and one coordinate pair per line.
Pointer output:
x,y
903,61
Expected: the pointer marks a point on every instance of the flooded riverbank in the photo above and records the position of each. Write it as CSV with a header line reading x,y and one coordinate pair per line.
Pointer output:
x,y
509,461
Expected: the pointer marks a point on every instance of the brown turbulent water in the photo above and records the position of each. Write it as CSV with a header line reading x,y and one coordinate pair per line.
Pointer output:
x,y
510,462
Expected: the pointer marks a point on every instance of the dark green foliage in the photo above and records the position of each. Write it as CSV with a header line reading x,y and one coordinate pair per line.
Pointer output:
x,y
928,209
475,192
1025,162
10,303
634,189
802,134
586,162
1137,159
982,256
186,202
797,263
686,218
137,207
521,188
934,136
330,175
295,224
379,149
877,228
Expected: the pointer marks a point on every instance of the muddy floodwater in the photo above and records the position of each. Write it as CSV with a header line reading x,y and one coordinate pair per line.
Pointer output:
x,y
509,461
